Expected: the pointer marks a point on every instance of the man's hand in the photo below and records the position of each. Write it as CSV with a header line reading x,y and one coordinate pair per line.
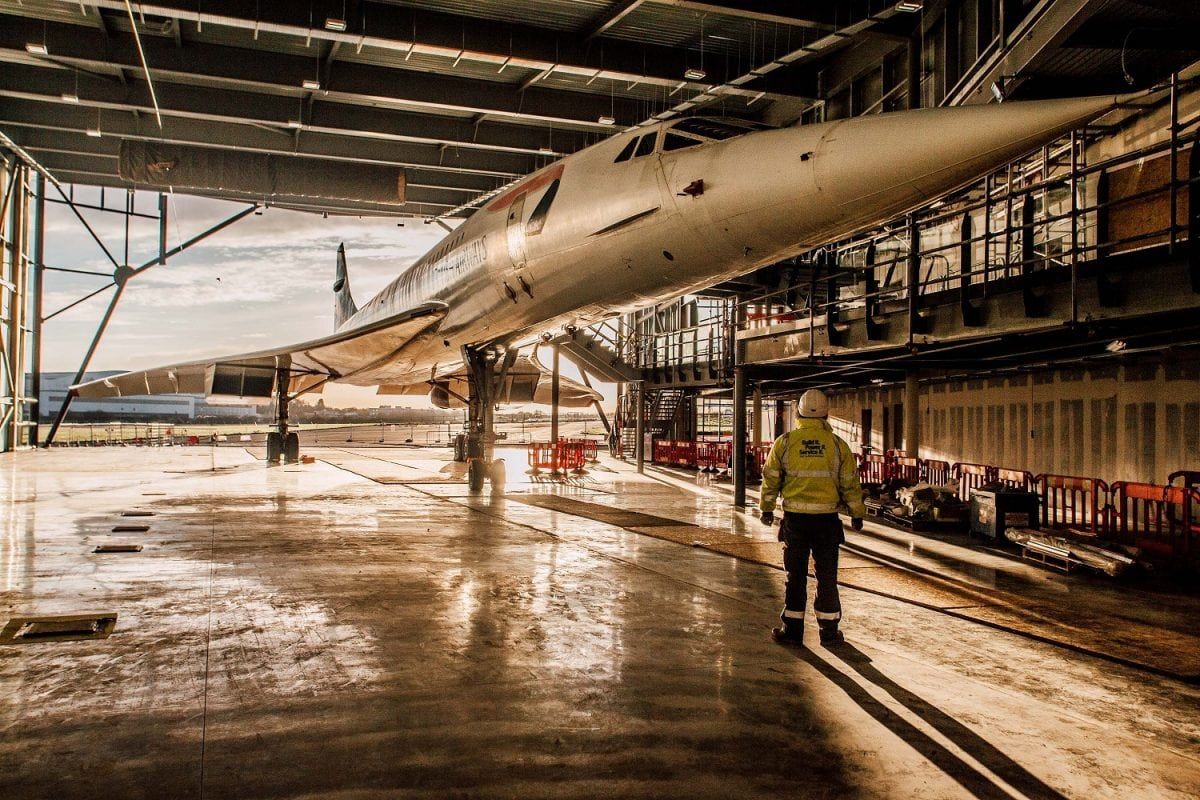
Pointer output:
x,y
856,523
767,518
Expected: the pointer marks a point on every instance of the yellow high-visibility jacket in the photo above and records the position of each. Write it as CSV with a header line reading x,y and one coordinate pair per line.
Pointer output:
x,y
813,471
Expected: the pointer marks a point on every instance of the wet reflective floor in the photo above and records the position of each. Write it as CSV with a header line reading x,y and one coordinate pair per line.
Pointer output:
x,y
363,627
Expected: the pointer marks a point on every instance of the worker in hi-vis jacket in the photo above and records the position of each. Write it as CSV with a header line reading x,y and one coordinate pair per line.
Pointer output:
x,y
812,469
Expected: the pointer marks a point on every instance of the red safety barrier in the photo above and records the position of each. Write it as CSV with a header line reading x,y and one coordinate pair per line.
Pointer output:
x,y
591,448
1068,501
934,472
972,476
571,455
874,469
1187,478
1157,519
713,456
542,455
684,454
905,468
1017,479
661,451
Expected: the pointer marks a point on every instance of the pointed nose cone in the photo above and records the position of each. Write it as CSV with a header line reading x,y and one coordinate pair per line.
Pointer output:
x,y
872,168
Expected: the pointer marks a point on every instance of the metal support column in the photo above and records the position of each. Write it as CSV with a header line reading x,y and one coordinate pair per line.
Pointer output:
x,y
780,418
756,430
913,277
739,437
912,415
38,268
639,426
555,396
15,344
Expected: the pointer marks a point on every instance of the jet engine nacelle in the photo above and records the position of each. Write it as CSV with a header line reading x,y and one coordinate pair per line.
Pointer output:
x,y
440,396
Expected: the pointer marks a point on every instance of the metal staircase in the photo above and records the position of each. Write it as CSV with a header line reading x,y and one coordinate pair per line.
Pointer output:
x,y
660,407
600,350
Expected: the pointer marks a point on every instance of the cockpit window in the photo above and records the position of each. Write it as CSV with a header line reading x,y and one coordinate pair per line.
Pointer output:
x,y
537,220
673,141
626,151
718,129
646,144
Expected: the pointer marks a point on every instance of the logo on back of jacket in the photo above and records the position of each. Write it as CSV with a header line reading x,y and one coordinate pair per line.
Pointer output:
x,y
812,448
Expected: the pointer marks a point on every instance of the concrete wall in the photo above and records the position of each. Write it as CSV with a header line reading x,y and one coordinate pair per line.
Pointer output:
x,y
1136,422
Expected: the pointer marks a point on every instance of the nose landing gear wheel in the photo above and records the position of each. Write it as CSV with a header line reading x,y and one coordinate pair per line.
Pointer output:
x,y
291,447
274,447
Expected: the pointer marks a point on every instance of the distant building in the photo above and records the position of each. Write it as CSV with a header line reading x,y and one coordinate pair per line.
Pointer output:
x,y
185,406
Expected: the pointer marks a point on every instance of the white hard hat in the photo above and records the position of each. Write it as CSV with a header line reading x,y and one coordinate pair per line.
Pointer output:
x,y
814,404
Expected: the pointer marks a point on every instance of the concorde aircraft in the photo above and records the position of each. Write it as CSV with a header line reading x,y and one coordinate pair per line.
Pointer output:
x,y
648,214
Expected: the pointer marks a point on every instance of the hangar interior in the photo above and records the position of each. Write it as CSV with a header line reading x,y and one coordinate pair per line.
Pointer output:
x,y
364,626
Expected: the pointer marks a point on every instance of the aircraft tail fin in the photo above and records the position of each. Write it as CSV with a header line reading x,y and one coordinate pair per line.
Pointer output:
x,y
343,303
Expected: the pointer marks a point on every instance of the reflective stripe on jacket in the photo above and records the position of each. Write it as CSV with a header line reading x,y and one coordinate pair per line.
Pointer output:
x,y
813,471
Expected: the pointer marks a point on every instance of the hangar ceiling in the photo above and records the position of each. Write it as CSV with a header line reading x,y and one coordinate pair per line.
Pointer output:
x,y
464,97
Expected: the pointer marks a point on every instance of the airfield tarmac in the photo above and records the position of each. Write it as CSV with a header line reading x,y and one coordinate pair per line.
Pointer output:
x,y
364,627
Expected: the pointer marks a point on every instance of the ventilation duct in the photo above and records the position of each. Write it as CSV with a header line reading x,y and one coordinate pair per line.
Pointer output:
x,y
280,180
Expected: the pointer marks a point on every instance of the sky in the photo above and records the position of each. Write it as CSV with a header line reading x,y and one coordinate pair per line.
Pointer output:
x,y
262,282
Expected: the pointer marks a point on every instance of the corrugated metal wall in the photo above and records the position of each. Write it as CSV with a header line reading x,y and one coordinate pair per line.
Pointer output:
x,y
1137,422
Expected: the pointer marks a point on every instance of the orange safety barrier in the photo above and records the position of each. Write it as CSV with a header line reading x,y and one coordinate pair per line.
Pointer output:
x,y
683,454
590,447
713,456
934,472
1068,501
571,454
1187,478
906,468
542,455
874,469
1017,479
971,476
1157,519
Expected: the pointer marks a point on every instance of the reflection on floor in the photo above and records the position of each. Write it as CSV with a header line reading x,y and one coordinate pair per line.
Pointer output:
x,y
365,627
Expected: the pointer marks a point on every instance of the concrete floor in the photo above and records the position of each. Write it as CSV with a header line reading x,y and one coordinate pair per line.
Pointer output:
x,y
363,628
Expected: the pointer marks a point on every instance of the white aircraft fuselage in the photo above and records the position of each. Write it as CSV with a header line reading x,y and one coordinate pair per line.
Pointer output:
x,y
621,233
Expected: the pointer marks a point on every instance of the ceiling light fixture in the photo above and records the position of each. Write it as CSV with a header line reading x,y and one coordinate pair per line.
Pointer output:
x,y
335,24
910,6
546,151
607,120
295,123
70,98
311,84
37,48
694,74
93,132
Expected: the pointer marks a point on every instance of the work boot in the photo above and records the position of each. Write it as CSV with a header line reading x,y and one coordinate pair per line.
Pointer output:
x,y
789,633
831,635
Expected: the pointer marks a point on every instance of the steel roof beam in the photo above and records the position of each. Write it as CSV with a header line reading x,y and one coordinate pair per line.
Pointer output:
x,y
815,16
403,30
279,113
475,170
280,73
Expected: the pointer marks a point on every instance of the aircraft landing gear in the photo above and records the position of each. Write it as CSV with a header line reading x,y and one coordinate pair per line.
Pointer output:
x,y
486,371
282,444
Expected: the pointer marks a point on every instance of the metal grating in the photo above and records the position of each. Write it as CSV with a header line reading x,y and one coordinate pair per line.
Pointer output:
x,y
66,628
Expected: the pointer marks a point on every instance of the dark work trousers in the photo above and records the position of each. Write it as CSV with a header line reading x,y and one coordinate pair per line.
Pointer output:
x,y
821,535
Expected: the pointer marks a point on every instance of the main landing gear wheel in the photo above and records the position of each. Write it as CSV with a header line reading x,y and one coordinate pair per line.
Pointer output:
x,y
291,447
274,447
476,473
460,447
